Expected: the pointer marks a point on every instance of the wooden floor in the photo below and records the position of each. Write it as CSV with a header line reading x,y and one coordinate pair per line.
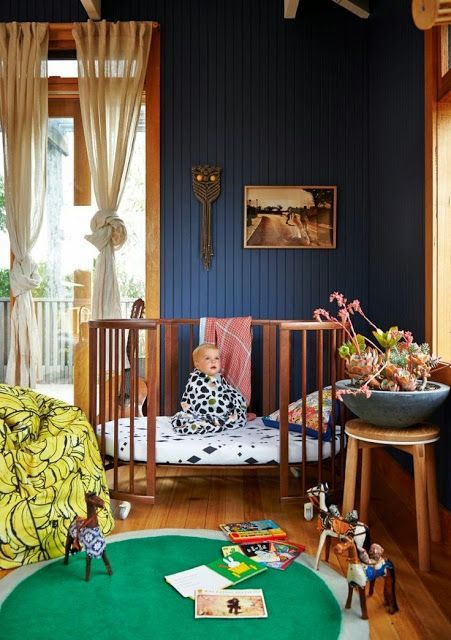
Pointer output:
x,y
195,499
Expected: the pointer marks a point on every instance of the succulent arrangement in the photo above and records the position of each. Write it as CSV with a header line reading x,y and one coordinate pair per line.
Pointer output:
x,y
393,361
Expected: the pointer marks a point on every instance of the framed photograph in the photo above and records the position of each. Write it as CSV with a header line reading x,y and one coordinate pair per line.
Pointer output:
x,y
290,217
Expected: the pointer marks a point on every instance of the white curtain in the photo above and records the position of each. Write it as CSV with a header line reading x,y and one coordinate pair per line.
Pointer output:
x,y
112,62
23,118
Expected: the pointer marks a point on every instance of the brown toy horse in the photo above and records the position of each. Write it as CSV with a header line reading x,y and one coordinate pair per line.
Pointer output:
x,y
85,533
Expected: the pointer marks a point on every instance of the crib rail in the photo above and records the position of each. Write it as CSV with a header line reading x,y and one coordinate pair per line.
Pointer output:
x,y
311,345
122,384
290,359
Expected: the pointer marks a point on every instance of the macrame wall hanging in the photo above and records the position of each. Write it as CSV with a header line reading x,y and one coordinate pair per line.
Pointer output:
x,y
206,187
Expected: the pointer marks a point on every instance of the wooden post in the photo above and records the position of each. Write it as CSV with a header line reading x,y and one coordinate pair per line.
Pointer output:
x,y
81,313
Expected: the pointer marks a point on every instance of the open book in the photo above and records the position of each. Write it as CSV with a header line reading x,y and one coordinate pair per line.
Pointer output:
x,y
273,554
216,575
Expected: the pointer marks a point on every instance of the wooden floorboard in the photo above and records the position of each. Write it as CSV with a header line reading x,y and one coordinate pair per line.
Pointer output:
x,y
194,499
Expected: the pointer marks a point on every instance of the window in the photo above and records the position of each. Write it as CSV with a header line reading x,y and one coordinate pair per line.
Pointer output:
x,y
70,206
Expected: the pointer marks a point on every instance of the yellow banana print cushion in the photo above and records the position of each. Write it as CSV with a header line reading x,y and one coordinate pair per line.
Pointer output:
x,y
49,459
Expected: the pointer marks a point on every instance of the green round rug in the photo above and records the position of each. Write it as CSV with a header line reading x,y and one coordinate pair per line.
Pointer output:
x,y
51,600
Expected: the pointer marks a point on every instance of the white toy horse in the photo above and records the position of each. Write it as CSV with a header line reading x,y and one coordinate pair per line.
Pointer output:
x,y
332,524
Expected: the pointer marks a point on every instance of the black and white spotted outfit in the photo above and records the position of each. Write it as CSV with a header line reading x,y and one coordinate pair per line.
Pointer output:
x,y
209,405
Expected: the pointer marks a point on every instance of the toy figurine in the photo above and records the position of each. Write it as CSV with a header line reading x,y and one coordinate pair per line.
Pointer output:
x,y
361,572
333,525
85,533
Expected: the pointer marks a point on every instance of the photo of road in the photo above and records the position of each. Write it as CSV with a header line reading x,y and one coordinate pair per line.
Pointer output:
x,y
291,217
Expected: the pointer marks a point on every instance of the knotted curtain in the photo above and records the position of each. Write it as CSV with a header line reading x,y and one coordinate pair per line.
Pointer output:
x,y
24,119
112,62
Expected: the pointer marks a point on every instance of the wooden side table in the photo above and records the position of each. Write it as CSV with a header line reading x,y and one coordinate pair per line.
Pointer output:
x,y
419,442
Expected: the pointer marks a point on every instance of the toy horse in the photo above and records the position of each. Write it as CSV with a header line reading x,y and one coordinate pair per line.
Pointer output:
x,y
86,533
332,524
360,572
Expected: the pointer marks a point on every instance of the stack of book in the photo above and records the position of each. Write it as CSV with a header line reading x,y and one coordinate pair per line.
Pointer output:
x,y
253,531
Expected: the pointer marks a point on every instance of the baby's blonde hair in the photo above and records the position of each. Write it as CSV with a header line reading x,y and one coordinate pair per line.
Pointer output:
x,y
198,351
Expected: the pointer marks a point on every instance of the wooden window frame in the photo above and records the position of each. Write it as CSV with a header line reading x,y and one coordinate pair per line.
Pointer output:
x,y
61,39
437,126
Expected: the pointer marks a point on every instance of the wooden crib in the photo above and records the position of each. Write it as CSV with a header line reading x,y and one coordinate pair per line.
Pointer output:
x,y
289,359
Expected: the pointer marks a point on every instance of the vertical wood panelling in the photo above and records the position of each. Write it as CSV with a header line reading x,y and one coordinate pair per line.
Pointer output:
x,y
396,130
396,193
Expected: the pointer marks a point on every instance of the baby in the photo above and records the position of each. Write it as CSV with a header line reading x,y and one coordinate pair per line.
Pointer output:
x,y
209,403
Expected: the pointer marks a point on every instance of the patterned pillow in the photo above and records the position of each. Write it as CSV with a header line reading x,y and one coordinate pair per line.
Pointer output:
x,y
312,416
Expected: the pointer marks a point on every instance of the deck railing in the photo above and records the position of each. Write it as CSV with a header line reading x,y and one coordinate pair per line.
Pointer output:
x,y
58,324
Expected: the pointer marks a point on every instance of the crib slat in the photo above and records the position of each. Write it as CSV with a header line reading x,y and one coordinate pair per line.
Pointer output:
x,y
102,399
170,368
266,368
333,376
304,409
285,380
319,386
132,356
116,393
151,411
273,367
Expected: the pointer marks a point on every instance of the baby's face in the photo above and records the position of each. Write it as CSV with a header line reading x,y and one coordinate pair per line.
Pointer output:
x,y
209,362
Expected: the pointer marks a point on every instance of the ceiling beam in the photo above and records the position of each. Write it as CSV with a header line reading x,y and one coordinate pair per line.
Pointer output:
x,y
92,8
290,8
360,8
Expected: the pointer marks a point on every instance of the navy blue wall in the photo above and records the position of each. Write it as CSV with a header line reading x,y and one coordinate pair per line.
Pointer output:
x,y
396,187
271,101
396,167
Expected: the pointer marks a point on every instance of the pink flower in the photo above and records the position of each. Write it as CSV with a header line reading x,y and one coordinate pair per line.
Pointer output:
x,y
354,306
318,313
339,297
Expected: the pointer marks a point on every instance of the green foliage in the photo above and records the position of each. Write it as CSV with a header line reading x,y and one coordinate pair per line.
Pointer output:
x,y
4,283
129,286
40,292
349,348
388,339
43,290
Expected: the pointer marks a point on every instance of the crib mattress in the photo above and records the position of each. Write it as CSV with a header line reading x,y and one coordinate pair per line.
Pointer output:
x,y
253,444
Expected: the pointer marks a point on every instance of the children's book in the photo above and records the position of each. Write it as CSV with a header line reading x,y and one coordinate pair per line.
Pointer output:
x,y
216,575
232,604
277,555
253,531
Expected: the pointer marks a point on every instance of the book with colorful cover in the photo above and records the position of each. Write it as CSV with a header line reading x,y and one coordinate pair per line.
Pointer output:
x,y
232,604
277,555
253,531
216,575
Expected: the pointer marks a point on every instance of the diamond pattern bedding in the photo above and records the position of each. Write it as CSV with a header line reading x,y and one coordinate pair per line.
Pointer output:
x,y
253,444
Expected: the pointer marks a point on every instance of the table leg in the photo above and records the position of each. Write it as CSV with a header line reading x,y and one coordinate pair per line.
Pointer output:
x,y
431,483
365,484
350,475
419,469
